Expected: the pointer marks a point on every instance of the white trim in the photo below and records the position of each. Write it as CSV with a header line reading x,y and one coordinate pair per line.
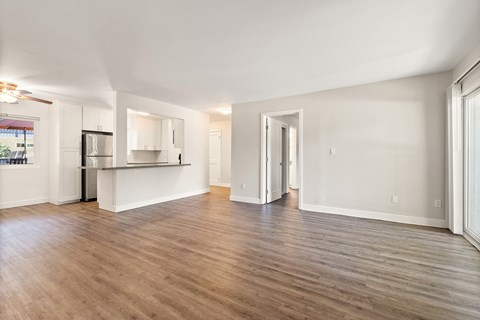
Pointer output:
x,y
468,234
19,117
263,155
392,217
149,202
245,199
59,203
455,159
220,184
20,166
20,203
472,241
467,71
286,165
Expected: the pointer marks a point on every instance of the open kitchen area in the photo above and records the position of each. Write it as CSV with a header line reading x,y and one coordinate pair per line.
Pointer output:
x,y
128,156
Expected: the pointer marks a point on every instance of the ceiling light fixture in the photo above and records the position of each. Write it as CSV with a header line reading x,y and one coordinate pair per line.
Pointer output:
x,y
226,110
5,97
140,113
10,94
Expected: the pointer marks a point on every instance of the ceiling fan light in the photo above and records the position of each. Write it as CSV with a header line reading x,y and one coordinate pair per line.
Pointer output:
x,y
5,97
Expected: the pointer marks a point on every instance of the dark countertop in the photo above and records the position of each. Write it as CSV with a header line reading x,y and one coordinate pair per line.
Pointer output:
x,y
137,166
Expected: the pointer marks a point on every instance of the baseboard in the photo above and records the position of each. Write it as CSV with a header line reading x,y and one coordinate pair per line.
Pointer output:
x,y
21,203
220,184
392,217
245,199
150,202
59,203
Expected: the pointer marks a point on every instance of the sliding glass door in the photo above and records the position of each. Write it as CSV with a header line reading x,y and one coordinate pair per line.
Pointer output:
x,y
472,144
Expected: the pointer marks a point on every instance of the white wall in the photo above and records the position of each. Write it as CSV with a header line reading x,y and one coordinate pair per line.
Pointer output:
x,y
178,180
23,185
467,61
389,139
226,129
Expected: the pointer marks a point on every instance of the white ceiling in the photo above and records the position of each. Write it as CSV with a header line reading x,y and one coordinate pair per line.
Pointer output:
x,y
211,53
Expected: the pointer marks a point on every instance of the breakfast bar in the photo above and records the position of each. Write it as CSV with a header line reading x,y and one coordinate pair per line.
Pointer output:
x,y
131,186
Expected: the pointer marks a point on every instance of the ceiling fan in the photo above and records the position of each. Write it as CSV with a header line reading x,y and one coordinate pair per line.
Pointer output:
x,y
10,94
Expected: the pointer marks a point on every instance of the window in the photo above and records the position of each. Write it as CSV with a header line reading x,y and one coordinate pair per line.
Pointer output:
x,y
17,137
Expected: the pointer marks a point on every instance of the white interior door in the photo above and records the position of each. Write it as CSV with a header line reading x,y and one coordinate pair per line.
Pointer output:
x,y
215,157
293,158
274,160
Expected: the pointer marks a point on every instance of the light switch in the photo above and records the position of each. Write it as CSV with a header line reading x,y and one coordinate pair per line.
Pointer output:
x,y
332,151
394,199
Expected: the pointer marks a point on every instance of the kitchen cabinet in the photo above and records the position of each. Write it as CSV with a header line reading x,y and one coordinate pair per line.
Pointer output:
x,y
97,119
167,134
172,133
71,126
158,135
65,134
153,138
177,125
145,133
70,183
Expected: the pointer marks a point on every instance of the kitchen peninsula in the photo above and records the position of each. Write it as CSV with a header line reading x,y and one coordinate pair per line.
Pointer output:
x,y
128,187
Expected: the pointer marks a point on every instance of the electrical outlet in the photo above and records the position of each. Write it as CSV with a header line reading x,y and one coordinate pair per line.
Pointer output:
x,y
438,203
394,199
243,186
332,151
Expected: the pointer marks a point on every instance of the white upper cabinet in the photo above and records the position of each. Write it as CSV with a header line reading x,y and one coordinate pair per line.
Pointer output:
x,y
145,133
177,133
90,119
167,134
158,134
97,119
106,120
153,138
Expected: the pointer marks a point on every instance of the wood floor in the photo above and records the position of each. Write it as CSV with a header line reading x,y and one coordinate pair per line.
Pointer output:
x,y
205,257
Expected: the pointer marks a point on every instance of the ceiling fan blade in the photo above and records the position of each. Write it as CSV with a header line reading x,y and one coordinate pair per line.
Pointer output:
x,y
19,92
34,99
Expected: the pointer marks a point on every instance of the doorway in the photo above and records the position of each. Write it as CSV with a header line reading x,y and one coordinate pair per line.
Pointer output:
x,y
281,153
472,166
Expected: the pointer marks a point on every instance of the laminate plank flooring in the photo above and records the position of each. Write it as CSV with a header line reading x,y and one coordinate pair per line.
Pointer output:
x,y
205,257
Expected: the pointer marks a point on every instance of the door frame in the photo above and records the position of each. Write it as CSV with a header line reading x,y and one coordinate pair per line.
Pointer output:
x,y
263,152
286,157
290,128
469,235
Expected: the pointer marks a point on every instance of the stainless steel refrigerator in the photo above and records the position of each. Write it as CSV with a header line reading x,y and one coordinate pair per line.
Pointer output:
x,y
97,151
